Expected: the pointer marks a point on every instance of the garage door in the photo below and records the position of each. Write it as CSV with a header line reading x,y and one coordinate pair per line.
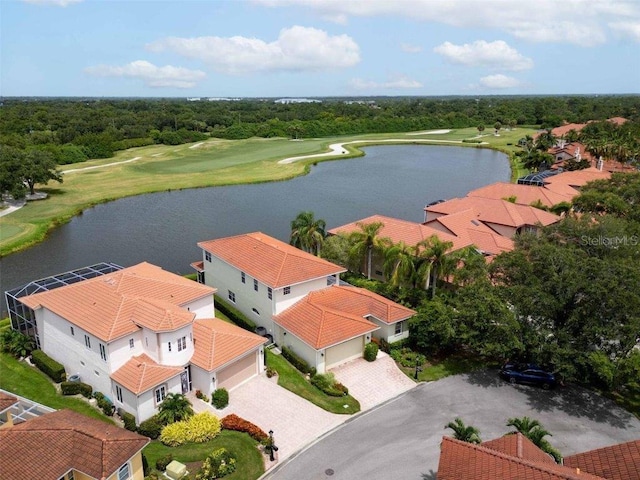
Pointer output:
x,y
237,372
344,352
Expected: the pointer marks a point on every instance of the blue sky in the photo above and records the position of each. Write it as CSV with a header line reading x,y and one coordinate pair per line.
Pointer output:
x,y
294,48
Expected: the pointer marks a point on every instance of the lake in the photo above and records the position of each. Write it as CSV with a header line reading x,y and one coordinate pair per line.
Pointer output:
x,y
164,228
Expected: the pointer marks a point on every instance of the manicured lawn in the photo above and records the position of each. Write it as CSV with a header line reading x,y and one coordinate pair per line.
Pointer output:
x,y
249,460
31,383
292,380
436,369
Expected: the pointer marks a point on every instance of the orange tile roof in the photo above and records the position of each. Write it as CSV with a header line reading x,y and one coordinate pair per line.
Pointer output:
x,y
572,149
466,461
6,401
141,373
48,446
218,342
157,315
617,120
617,462
576,178
564,129
524,194
327,317
517,445
411,233
500,212
272,262
198,266
109,306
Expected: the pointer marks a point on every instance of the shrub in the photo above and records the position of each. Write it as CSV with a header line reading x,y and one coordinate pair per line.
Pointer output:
x,y
104,403
271,372
162,462
220,398
235,315
234,422
199,428
370,352
129,421
328,384
49,366
145,465
151,427
73,388
296,361
16,344
202,396
218,464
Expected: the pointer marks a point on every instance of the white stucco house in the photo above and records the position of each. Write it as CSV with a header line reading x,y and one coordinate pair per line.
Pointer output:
x,y
140,333
296,297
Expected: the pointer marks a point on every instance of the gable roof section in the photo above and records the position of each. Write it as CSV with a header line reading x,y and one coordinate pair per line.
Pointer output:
x,y
141,373
500,212
519,446
411,233
272,262
524,194
6,401
218,342
466,461
49,446
576,178
157,315
107,306
322,325
617,462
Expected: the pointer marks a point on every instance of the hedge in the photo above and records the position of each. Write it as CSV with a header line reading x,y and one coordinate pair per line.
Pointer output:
x,y
73,388
48,365
129,420
235,315
104,403
151,427
239,424
297,362
199,428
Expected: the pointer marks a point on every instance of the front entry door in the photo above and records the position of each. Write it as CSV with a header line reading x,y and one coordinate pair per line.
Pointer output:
x,y
184,379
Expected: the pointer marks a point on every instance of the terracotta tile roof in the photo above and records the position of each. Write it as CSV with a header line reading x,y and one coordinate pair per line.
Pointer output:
x,y
398,230
157,315
617,462
500,212
465,225
320,321
49,446
564,129
517,445
524,194
6,401
198,266
141,373
466,461
218,342
272,262
576,178
572,149
107,306
617,120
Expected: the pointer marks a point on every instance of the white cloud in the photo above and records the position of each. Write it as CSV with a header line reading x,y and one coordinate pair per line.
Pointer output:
x,y
296,49
399,83
581,22
152,75
58,3
480,53
407,47
499,81
627,29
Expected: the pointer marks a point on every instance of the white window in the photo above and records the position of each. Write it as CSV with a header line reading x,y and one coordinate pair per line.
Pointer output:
x,y
119,393
103,352
160,393
255,284
243,277
87,341
207,256
169,345
270,293
182,343
286,290
399,328
124,473
232,296
255,310
72,331
131,343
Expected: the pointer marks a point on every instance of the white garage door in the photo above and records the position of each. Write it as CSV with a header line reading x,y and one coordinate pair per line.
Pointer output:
x,y
344,352
237,372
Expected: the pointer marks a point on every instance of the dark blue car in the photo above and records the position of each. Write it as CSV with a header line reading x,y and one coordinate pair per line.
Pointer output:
x,y
528,373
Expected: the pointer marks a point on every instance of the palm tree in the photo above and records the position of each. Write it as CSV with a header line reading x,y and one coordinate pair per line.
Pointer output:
x,y
365,242
399,266
524,425
464,433
174,407
534,431
307,233
434,262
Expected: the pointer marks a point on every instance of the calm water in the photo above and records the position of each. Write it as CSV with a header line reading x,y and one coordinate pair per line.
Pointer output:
x,y
163,228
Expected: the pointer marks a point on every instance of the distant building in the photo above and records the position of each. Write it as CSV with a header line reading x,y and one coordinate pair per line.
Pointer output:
x,y
297,100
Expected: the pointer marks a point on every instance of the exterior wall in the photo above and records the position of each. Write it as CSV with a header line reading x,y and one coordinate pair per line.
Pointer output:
x,y
298,291
70,350
120,351
203,308
135,469
201,380
147,402
503,230
300,348
388,331
129,401
175,357
428,216
150,344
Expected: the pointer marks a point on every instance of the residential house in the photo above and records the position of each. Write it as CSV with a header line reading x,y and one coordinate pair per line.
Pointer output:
x,y
564,151
331,326
132,334
515,457
66,445
522,194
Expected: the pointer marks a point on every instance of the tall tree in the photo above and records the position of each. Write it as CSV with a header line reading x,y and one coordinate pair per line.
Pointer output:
x,y
463,432
434,262
365,242
39,167
307,232
399,264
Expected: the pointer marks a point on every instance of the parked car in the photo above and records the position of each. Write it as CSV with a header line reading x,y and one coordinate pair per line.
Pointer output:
x,y
528,373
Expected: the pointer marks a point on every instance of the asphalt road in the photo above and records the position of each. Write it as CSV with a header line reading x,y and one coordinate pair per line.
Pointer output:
x,y
400,439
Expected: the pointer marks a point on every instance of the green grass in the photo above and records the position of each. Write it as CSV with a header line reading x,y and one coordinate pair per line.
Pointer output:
x,y
215,162
248,459
436,369
294,381
31,383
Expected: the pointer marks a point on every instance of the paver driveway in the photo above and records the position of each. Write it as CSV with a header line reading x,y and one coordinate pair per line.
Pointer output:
x,y
401,439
